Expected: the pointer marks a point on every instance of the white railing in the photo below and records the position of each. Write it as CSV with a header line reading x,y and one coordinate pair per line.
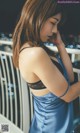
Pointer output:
x,y
16,99
73,52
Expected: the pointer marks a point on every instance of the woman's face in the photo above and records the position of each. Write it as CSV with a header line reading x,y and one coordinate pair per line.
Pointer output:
x,y
49,28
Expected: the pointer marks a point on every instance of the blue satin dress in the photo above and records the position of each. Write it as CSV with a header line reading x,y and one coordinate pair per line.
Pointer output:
x,y
51,114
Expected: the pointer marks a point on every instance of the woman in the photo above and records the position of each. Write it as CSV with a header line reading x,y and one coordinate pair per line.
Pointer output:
x,y
48,75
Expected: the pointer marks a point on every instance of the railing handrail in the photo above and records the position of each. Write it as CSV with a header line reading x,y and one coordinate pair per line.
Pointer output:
x,y
5,42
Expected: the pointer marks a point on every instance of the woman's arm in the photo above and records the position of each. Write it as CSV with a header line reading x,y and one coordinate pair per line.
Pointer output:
x,y
66,61
65,57
51,77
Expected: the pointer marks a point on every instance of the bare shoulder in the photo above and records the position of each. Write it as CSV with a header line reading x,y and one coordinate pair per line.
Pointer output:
x,y
29,60
39,52
32,55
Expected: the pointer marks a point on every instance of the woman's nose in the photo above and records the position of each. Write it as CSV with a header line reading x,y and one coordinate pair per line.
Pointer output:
x,y
54,30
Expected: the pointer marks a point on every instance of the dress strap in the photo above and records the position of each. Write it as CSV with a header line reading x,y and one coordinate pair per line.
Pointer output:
x,y
23,49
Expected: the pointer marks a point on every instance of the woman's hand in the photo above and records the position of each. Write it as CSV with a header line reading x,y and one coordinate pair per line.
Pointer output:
x,y
56,39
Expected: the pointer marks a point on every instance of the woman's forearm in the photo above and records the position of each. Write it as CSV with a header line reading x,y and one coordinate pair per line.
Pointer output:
x,y
66,60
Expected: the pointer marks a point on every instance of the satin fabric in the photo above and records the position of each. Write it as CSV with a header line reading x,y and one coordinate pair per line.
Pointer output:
x,y
51,114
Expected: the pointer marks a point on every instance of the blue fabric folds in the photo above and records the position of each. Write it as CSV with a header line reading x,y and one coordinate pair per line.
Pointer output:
x,y
52,114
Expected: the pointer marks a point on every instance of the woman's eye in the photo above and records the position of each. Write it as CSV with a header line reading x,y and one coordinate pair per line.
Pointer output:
x,y
53,23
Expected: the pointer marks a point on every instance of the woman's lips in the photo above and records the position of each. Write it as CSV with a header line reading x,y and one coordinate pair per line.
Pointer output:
x,y
53,39
52,36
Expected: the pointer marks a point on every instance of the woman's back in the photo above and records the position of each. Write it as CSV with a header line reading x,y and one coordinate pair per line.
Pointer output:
x,y
27,64
26,67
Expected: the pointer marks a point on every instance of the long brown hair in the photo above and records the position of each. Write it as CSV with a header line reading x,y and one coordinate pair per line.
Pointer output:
x,y
33,15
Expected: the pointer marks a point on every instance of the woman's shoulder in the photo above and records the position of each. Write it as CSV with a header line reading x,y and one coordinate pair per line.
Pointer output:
x,y
38,53
34,52
30,57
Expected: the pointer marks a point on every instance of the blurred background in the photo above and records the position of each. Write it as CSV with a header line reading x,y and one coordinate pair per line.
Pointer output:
x,y
10,10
